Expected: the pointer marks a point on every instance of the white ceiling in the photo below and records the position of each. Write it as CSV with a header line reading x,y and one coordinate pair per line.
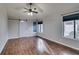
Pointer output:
x,y
15,9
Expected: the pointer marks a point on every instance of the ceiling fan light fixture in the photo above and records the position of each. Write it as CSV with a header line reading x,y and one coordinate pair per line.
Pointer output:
x,y
21,21
30,13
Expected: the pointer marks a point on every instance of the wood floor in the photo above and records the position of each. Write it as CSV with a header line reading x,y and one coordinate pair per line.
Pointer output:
x,y
35,46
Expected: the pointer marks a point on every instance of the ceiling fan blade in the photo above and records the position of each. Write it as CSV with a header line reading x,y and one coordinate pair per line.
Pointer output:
x,y
26,8
35,11
37,7
25,11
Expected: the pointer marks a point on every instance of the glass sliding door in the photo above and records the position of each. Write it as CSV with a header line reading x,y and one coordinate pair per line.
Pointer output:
x,y
69,29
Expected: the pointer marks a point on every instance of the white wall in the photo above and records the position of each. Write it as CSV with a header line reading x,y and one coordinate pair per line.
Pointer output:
x,y
20,29
53,29
26,29
3,27
13,29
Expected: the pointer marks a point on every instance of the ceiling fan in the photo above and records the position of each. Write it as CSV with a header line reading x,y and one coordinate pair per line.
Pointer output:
x,y
31,10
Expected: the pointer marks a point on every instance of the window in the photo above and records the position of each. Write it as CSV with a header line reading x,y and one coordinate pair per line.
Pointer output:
x,y
40,26
34,27
69,29
77,29
71,26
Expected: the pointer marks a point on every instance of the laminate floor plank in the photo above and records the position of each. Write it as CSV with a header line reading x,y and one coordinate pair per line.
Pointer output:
x,y
35,46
